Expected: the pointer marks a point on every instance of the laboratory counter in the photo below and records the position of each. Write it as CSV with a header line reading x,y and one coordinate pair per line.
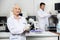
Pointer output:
x,y
33,36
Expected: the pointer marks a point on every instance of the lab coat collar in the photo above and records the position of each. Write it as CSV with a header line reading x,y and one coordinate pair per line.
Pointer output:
x,y
14,18
41,9
12,15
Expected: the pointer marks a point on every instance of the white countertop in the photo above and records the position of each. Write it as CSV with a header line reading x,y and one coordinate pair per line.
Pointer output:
x,y
47,33
6,34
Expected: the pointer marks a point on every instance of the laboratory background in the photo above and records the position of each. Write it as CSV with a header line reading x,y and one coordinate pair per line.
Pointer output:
x,y
29,10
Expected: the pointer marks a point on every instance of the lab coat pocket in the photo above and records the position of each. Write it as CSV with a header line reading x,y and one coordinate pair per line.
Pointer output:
x,y
13,37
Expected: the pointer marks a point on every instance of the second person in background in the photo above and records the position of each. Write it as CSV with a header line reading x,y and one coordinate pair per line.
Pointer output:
x,y
42,17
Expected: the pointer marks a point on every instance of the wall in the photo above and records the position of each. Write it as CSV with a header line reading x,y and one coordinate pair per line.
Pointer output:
x,y
6,5
29,7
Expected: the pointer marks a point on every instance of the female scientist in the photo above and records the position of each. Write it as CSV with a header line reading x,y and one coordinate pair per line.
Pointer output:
x,y
17,25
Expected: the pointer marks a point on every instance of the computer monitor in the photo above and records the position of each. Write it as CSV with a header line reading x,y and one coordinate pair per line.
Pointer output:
x,y
3,19
57,6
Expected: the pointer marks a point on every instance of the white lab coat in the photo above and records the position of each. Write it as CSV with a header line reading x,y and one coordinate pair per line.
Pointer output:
x,y
16,28
42,17
58,27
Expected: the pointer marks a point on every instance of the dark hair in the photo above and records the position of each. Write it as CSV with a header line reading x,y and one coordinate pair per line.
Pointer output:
x,y
42,3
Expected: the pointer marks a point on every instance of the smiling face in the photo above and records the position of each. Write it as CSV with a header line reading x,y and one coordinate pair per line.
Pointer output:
x,y
16,10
